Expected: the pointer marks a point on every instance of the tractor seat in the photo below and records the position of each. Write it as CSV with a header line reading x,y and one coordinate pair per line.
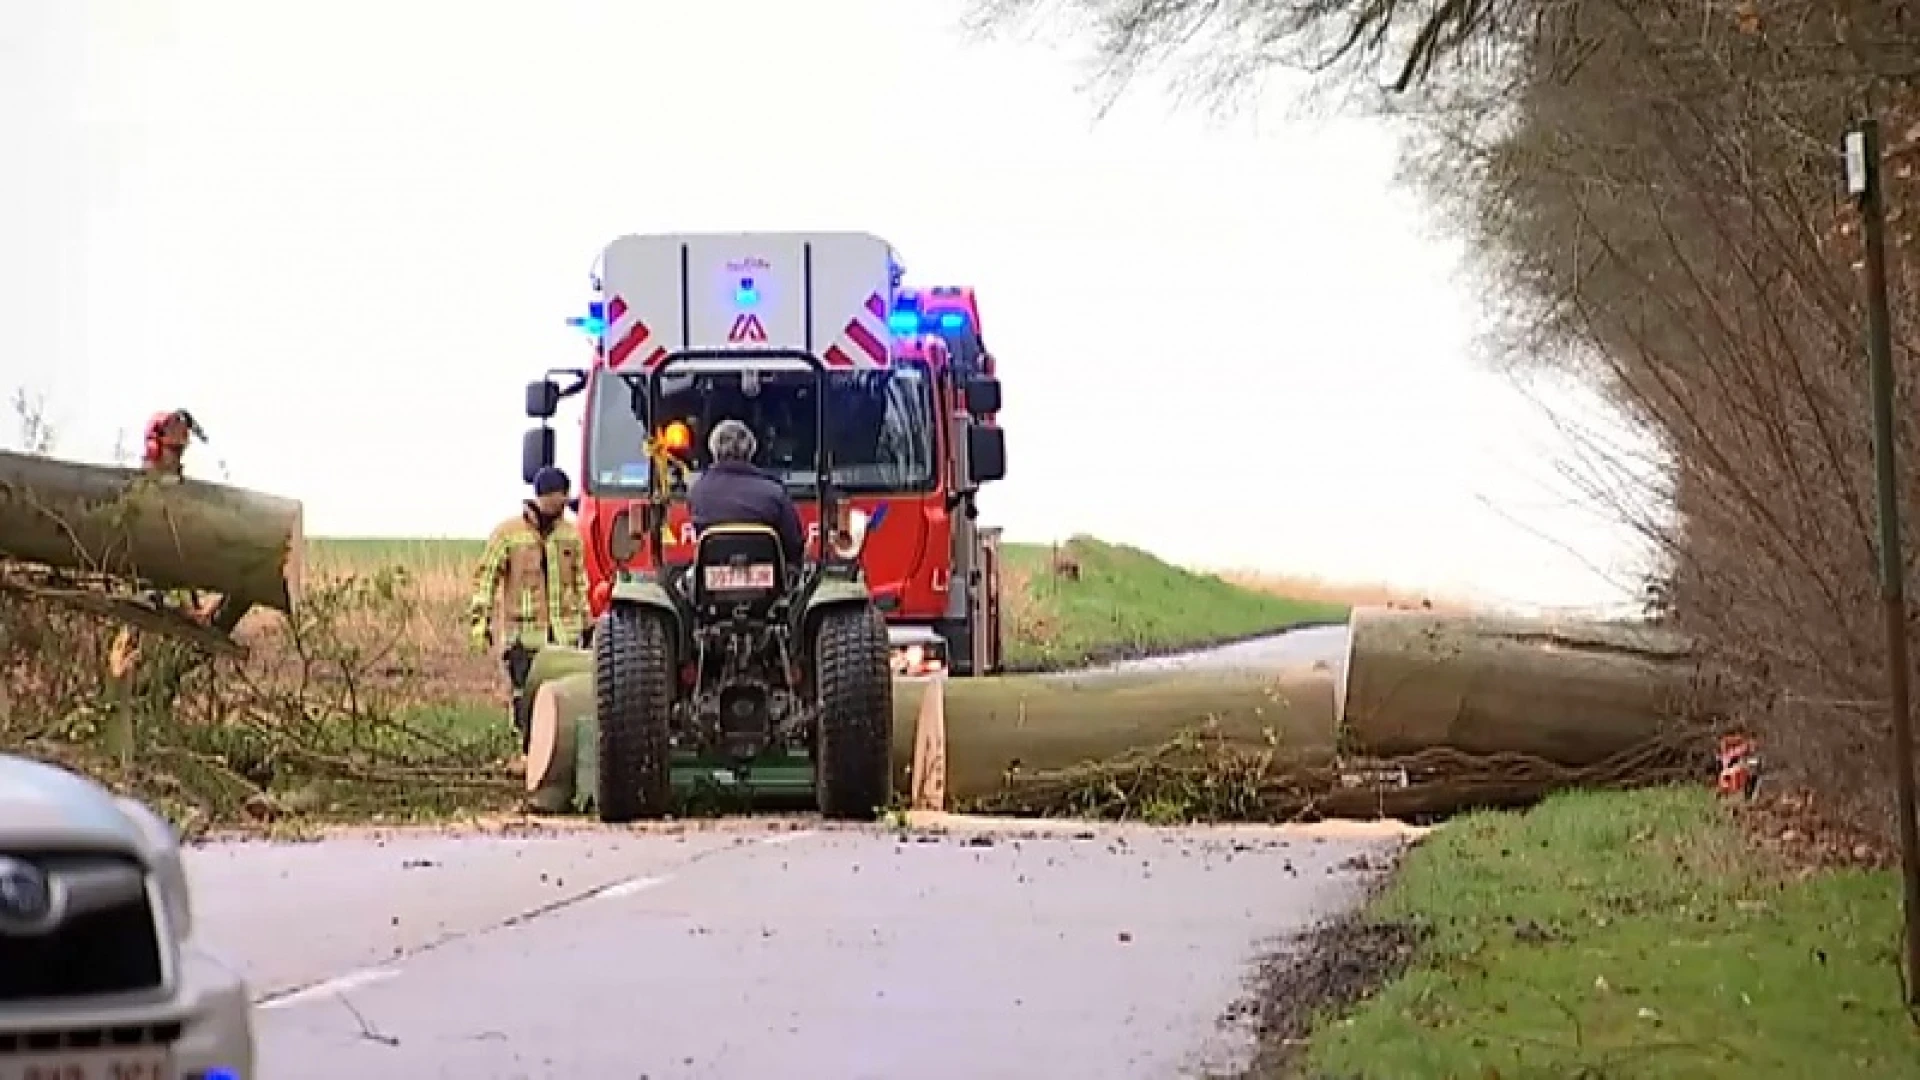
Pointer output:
x,y
737,568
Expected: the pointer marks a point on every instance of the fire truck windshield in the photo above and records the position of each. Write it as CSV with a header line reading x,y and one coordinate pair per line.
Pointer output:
x,y
880,427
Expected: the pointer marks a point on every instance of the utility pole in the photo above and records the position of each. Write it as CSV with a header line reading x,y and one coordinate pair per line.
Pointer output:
x,y
1863,184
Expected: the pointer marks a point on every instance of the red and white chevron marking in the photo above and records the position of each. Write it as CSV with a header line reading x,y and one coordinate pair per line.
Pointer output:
x,y
630,338
865,337
862,342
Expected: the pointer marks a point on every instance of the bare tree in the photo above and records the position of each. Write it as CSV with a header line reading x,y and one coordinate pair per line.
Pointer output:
x,y
1654,189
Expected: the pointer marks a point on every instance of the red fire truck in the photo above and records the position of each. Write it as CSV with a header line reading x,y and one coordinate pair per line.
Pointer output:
x,y
912,444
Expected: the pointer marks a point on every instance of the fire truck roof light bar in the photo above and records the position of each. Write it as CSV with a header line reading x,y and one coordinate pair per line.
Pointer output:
x,y
905,321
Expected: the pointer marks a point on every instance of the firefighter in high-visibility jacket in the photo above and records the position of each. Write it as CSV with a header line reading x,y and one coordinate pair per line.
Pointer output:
x,y
534,576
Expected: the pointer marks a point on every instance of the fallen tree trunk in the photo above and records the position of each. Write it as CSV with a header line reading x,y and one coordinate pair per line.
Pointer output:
x,y
554,663
169,534
1433,715
1569,693
1025,753
1000,729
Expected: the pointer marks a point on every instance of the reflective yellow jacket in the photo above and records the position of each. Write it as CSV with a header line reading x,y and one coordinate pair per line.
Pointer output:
x,y
543,584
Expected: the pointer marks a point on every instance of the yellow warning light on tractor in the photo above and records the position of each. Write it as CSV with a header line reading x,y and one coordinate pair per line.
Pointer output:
x,y
676,438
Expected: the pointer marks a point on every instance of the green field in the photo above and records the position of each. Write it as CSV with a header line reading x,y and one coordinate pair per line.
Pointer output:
x,y
1629,935
1122,601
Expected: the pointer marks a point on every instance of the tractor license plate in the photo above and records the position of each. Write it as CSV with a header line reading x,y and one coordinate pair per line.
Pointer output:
x,y
758,576
149,1063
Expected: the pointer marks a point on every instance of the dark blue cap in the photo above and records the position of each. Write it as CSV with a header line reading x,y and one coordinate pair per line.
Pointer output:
x,y
548,481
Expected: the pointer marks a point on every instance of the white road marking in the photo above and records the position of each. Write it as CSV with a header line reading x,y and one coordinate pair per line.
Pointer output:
x,y
627,888
334,987
788,837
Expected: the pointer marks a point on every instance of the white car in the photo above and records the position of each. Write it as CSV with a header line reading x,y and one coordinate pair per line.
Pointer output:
x,y
99,975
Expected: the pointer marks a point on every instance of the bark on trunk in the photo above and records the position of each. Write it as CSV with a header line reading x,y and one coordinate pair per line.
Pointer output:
x,y
170,534
1570,693
555,663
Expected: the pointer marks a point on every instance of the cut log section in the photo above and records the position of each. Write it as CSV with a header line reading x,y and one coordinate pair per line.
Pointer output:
x,y
928,782
560,707
998,729
1569,693
165,533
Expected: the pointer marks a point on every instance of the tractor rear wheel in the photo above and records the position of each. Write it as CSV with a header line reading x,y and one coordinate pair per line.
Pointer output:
x,y
633,700
853,752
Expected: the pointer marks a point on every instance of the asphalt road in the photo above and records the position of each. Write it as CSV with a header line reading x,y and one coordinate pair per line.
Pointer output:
x,y
958,948
751,948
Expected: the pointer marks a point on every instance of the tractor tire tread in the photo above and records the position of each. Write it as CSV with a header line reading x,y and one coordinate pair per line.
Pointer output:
x,y
853,760
633,700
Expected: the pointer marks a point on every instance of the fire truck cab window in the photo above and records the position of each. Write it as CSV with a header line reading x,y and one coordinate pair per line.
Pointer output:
x,y
881,428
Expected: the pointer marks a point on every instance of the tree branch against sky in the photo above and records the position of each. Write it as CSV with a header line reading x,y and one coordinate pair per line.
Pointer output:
x,y
1213,49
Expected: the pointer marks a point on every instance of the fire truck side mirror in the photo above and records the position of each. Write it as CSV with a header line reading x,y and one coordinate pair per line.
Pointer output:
x,y
543,399
983,395
536,452
986,454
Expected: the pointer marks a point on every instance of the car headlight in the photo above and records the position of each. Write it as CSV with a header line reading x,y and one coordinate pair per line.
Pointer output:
x,y
170,873
848,542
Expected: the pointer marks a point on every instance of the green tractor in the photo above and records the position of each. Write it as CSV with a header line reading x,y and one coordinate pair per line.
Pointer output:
x,y
738,658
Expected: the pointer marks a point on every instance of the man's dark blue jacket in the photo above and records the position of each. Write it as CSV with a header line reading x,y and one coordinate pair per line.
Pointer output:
x,y
737,493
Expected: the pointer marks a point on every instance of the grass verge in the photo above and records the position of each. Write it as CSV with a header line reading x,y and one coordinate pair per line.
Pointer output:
x,y
1089,601
1624,935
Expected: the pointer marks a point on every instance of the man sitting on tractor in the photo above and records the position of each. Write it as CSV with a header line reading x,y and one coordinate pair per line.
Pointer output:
x,y
733,491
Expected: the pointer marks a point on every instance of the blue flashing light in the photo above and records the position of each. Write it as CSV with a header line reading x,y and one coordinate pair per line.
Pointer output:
x,y
746,295
904,322
217,1073
952,320
594,322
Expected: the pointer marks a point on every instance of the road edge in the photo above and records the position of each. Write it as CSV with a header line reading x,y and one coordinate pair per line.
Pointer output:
x,y
1324,971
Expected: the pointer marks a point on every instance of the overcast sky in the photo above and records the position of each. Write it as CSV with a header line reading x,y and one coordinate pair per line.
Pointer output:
x,y
346,232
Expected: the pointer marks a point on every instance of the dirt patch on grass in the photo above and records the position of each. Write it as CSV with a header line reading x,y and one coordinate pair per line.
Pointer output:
x,y
1792,827
1325,971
